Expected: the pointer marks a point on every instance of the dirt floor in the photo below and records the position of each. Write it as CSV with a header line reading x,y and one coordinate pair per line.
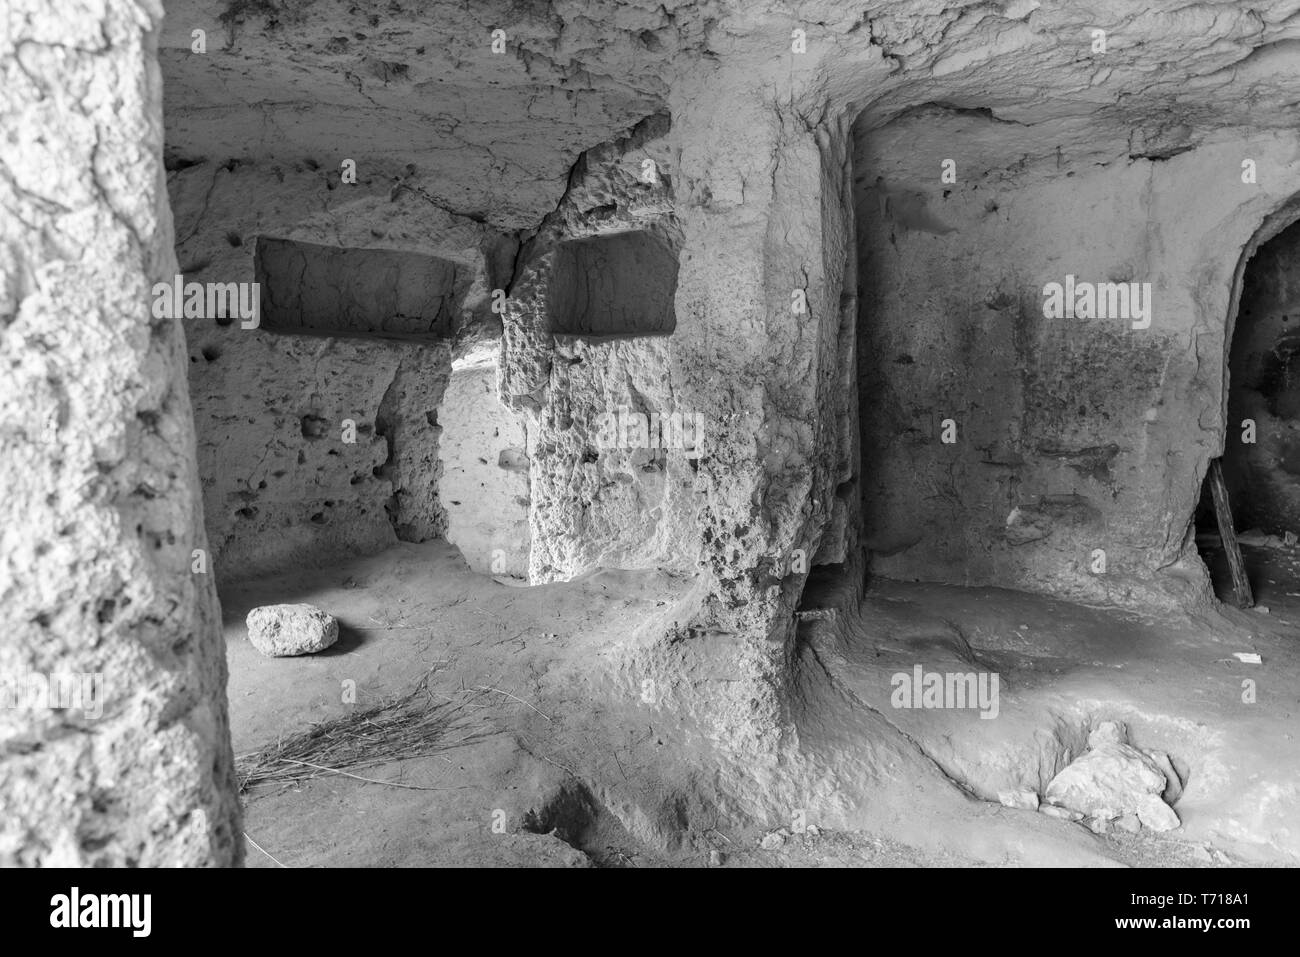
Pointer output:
x,y
563,770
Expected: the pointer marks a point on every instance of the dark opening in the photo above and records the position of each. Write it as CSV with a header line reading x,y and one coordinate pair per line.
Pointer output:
x,y
617,285
309,288
1261,459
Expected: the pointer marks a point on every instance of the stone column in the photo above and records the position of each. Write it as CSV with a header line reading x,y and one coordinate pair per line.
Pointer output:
x,y
114,742
762,346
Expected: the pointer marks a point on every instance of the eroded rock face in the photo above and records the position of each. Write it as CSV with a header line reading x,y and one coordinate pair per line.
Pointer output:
x,y
1072,437
104,581
589,353
483,482
316,448
1004,445
1031,104
282,631
286,478
493,134
1079,444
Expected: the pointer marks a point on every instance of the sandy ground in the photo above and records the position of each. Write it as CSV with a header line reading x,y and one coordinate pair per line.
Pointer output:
x,y
565,773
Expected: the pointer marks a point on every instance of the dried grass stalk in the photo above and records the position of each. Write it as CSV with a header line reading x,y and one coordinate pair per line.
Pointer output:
x,y
412,725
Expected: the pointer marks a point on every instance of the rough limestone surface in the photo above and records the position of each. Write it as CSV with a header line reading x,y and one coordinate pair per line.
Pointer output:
x,y
1023,799
1114,779
808,179
1067,160
1071,434
103,581
281,485
483,469
281,631
398,84
313,449
605,492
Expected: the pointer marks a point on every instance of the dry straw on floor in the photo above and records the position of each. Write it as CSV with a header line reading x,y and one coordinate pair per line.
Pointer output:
x,y
417,724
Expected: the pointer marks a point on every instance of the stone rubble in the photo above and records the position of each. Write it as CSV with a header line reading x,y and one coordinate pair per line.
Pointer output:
x,y
1115,780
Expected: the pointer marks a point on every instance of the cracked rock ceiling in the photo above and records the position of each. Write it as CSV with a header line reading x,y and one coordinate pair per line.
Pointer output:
x,y
414,89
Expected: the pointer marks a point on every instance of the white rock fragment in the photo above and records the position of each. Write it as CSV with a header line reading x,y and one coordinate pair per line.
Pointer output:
x,y
1114,779
280,631
1156,814
1051,810
1022,798
1129,823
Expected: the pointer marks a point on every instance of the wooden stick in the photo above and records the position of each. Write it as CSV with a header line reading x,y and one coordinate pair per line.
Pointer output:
x,y
1241,595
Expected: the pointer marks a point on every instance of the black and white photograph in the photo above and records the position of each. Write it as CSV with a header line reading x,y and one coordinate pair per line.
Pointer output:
x,y
707,435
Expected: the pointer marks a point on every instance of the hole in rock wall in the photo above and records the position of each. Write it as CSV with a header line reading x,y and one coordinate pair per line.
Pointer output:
x,y
1261,458
621,284
310,288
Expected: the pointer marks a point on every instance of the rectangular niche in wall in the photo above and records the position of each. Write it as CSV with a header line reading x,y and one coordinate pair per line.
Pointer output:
x,y
620,284
334,290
